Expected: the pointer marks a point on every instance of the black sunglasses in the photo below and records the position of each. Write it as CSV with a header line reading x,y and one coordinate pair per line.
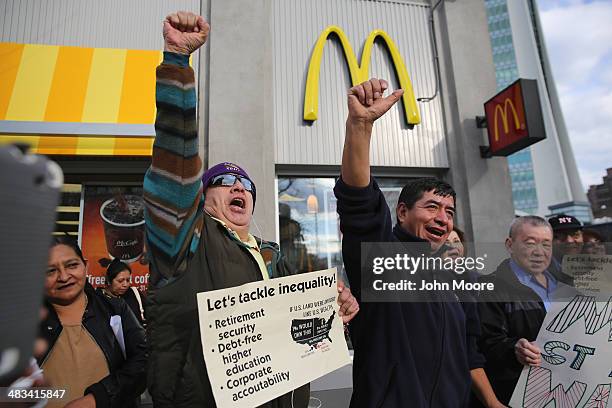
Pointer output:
x,y
228,180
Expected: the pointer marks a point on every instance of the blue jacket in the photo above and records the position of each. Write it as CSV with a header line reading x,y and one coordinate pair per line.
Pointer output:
x,y
406,354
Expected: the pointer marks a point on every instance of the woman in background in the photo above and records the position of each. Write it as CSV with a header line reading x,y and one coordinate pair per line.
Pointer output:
x,y
97,348
118,285
482,391
456,243
593,243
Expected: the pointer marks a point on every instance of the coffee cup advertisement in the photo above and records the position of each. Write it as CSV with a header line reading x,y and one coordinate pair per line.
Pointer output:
x,y
113,228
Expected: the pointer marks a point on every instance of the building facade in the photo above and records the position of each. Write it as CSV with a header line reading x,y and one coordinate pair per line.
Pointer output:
x,y
545,178
600,196
89,105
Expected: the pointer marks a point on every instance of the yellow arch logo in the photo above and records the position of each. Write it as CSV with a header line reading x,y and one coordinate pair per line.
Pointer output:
x,y
503,112
359,72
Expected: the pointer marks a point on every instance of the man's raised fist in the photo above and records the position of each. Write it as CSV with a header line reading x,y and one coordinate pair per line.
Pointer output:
x,y
366,102
184,32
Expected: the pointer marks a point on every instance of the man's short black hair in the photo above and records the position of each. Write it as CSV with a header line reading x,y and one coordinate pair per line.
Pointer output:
x,y
413,191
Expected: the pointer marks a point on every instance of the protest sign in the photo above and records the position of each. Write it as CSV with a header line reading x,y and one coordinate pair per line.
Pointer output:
x,y
592,273
264,339
576,370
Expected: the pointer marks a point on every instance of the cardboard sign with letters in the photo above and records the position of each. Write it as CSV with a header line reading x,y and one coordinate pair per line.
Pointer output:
x,y
576,370
264,339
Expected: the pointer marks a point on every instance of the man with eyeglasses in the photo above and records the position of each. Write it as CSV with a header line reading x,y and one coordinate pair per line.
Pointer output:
x,y
512,315
197,233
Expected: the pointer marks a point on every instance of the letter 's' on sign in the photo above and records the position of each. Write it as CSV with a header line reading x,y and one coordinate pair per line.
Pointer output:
x,y
359,72
514,118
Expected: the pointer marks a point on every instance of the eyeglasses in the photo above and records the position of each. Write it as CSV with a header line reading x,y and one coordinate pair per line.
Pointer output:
x,y
228,180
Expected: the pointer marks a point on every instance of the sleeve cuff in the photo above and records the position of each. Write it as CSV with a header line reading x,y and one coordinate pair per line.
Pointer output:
x,y
478,362
173,58
100,395
358,192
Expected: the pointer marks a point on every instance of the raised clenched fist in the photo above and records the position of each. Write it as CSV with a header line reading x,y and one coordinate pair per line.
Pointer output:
x,y
366,102
184,32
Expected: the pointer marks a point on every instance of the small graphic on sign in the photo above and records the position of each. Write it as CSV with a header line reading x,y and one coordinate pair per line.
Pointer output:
x,y
311,331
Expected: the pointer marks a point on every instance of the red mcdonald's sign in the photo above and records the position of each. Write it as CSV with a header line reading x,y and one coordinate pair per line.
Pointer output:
x,y
514,118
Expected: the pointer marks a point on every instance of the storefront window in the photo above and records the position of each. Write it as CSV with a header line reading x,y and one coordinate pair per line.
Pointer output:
x,y
309,230
308,223
68,212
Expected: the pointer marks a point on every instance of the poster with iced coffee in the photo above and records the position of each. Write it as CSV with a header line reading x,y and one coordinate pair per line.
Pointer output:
x,y
113,227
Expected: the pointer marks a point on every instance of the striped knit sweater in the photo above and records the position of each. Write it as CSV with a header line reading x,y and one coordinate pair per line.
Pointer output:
x,y
173,191
174,203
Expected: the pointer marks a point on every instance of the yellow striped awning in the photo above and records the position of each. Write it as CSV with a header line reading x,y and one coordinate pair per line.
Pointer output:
x,y
78,101
83,145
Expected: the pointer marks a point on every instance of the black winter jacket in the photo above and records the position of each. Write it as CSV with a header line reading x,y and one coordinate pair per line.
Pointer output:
x,y
130,298
503,324
406,354
127,378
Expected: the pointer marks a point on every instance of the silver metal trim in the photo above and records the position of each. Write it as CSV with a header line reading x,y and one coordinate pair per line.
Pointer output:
x,y
73,128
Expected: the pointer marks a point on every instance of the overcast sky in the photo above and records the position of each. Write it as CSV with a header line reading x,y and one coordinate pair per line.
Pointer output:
x,y
578,35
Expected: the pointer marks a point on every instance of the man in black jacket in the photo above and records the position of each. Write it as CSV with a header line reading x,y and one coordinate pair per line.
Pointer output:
x,y
512,315
406,354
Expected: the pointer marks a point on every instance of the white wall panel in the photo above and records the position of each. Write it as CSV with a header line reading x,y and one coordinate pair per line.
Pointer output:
x,y
296,27
132,24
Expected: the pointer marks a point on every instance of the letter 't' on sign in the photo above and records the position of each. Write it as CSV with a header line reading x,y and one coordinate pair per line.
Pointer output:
x,y
514,118
359,72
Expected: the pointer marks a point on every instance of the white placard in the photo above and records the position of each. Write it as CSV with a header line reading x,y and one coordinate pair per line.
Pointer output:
x,y
576,370
592,273
264,339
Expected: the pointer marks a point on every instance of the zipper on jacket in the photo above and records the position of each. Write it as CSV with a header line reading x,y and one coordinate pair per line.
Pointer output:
x,y
52,346
438,369
106,356
101,348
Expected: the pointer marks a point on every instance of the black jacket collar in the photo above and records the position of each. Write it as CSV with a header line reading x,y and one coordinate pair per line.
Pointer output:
x,y
420,245
505,273
52,321
404,236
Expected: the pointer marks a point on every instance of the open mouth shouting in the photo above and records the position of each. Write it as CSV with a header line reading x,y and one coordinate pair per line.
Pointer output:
x,y
436,233
238,204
